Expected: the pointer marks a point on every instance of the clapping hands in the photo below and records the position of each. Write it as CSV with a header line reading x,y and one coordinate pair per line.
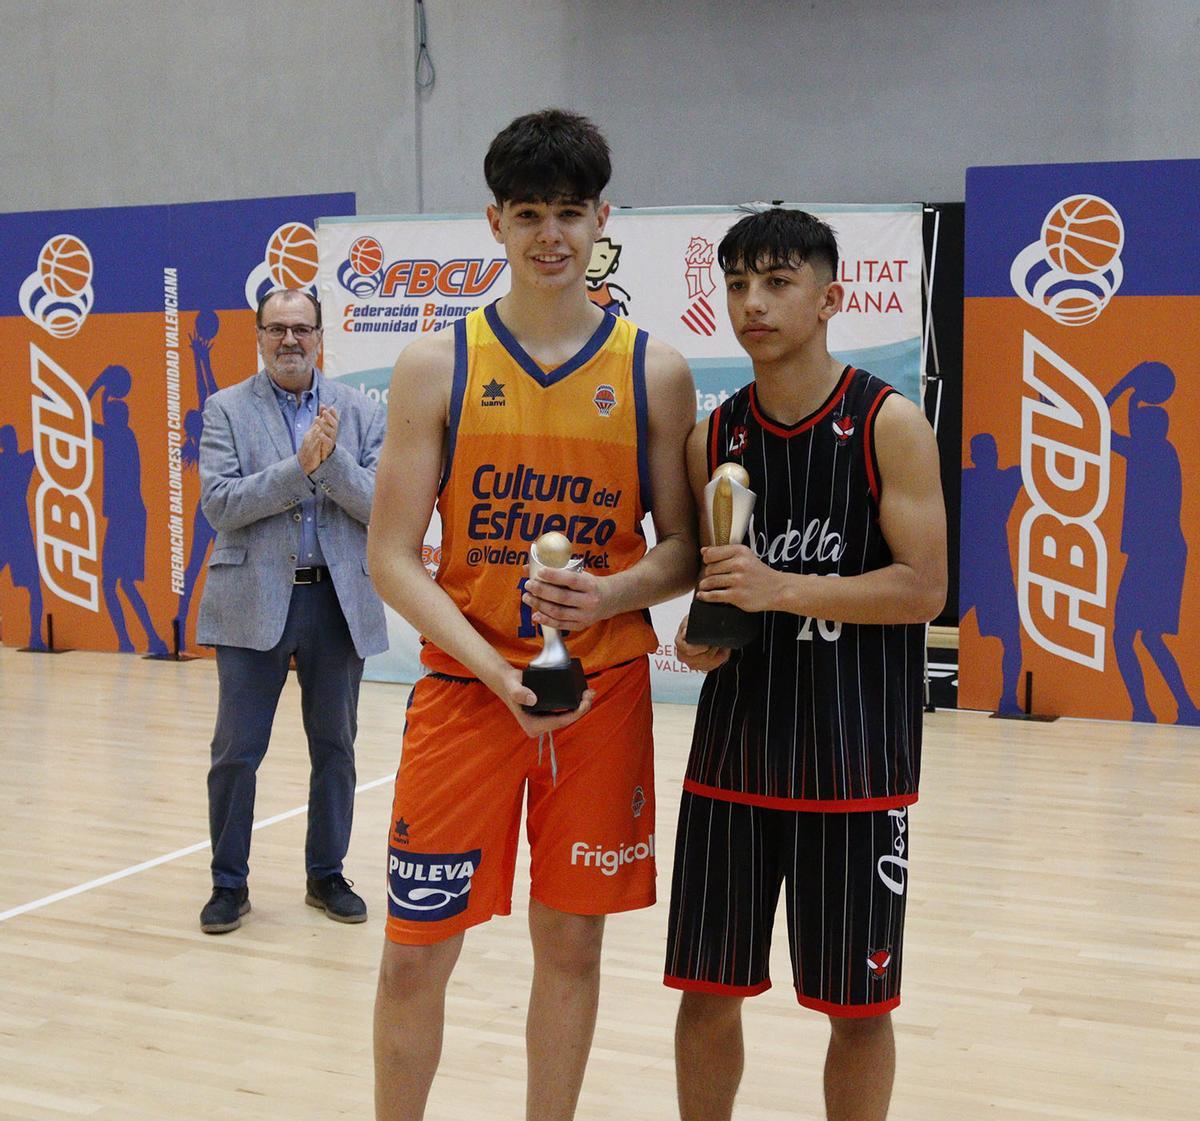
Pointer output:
x,y
319,441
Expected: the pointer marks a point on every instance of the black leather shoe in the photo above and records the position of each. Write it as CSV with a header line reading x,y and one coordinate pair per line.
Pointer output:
x,y
333,895
224,911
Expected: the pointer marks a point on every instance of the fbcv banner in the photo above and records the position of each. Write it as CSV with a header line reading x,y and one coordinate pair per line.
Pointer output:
x,y
115,327
386,281
1081,438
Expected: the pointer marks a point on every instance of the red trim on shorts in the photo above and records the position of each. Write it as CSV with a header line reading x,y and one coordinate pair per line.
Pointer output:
x,y
848,1011
713,987
808,805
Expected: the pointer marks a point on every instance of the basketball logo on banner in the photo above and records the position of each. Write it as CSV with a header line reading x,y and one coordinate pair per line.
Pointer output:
x,y
289,261
362,269
1074,268
366,255
409,295
58,295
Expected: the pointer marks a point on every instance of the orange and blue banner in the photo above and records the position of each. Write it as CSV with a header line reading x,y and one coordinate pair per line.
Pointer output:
x,y
115,326
1080,558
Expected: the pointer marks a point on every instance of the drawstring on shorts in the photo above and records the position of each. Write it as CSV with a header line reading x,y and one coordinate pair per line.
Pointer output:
x,y
553,757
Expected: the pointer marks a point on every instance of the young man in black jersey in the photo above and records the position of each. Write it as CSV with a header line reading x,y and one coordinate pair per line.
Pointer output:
x,y
806,752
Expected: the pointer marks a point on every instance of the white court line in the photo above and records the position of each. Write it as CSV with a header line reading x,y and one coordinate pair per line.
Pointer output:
x,y
37,904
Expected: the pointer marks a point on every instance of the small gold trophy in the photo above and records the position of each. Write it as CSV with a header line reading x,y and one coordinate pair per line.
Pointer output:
x,y
553,675
728,504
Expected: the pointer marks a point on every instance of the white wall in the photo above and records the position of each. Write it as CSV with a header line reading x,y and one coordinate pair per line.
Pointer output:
x,y
110,103
835,100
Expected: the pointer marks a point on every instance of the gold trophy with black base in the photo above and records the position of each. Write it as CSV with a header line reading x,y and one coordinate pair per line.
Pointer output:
x,y
553,675
728,503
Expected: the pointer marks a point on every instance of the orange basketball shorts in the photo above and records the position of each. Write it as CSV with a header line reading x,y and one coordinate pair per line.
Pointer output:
x,y
466,770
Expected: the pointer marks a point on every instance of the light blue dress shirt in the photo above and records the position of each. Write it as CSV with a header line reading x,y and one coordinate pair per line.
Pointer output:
x,y
299,419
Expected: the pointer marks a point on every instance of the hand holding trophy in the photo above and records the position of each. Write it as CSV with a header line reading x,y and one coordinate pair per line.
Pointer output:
x,y
553,675
728,504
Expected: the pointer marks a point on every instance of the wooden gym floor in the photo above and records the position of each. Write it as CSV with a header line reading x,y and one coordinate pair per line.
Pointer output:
x,y
1052,951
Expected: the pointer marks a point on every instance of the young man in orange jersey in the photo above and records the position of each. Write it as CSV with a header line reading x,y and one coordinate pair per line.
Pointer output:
x,y
806,751
540,412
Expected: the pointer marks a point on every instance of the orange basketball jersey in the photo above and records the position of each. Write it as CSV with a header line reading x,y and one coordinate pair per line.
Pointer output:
x,y
532,450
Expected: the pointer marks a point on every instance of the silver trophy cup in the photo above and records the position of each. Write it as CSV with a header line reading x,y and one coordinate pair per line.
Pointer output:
x,y
553,675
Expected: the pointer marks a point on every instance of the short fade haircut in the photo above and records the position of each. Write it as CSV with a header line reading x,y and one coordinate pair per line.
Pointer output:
x,y
778,238
548,155
262,302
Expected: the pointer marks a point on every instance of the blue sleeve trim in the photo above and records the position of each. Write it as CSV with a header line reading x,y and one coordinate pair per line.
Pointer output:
x,y
642,412
458,391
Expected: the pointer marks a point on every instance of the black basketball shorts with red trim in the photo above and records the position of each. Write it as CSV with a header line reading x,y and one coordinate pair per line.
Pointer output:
x,y
844,879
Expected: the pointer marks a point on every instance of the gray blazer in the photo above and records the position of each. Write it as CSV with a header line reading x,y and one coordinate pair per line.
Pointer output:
x,y
251,486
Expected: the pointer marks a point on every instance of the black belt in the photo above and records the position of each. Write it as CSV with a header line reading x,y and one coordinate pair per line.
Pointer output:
x,y
313,575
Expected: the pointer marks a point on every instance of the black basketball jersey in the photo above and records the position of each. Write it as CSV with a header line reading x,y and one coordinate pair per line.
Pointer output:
x,y
813,714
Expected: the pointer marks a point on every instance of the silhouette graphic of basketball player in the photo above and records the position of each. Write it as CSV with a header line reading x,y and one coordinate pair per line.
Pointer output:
x,y
203,534
123,559
1151,539
17,551
986,576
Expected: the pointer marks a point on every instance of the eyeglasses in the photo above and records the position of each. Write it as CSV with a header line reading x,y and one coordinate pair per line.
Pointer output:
x,y
300,331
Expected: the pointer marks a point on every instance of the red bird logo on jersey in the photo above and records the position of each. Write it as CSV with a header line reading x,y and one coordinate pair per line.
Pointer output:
x,y
738,439
843,428
878,962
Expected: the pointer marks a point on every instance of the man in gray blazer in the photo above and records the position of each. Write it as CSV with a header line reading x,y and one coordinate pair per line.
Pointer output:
x,y
287,475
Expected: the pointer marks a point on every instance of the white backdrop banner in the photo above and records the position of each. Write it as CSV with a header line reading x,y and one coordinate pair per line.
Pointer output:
x,y
385,281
